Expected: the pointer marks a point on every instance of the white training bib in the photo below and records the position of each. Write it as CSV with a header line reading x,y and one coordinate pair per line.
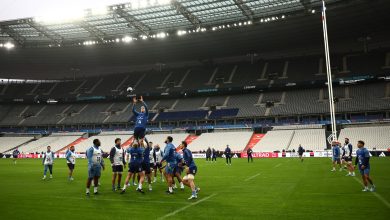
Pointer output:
x,y
346,150
49,158
159,156
151,159
118,157
97,156
72,158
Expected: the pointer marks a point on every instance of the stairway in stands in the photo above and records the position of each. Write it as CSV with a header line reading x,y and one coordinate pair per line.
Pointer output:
x,y
128,142
190,138
253,141
74,143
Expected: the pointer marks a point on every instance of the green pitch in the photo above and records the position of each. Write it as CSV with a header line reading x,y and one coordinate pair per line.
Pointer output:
x,y
266,189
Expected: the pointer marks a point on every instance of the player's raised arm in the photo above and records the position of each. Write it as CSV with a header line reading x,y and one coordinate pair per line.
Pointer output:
x,y
135,102
146,106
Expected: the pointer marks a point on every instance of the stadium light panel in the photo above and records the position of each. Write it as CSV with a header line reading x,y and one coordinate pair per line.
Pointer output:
x,y
127,39
8,45
181,32
161,35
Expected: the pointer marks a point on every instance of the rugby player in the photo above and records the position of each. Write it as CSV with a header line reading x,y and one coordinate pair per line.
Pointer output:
x,y
347,157
336,156
48,161
363,162
117,159
95,165
135,166
71,161
188,180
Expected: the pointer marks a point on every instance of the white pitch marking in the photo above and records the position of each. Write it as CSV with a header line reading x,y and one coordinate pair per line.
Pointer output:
x,y
277,165
187,206
379,197
251,177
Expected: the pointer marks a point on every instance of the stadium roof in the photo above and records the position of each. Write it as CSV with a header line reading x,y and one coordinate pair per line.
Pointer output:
x,y
148,19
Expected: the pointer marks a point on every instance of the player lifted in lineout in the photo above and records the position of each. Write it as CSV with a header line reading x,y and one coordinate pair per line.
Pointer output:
x,y
141,119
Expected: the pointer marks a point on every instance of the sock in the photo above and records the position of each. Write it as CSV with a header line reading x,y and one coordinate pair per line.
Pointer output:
x,y
194,193
124,186
87,191
139,186
95,189
170,189
181,184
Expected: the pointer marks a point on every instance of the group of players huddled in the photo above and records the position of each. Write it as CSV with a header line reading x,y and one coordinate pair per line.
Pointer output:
x,y
143,160
343,156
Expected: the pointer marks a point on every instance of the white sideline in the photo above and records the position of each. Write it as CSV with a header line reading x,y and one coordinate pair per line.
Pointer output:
x,y
378,196
277,165
187,206
251,177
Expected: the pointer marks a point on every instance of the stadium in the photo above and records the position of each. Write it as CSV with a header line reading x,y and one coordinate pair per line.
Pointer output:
x,y
222,109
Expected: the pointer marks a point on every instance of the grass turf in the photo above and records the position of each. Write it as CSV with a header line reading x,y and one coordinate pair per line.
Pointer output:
x,y
282,188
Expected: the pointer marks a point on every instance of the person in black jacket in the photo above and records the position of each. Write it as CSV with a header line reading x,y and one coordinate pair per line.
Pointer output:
x,y
249,153
208,154
214,156
228,155
300,152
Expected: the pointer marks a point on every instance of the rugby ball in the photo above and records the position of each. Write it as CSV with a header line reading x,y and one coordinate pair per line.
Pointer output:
x,y
129,89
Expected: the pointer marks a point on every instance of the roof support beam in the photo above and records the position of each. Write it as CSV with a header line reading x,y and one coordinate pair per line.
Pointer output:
x,y
141,27
246,11
13,34
186,13
56,38
94,31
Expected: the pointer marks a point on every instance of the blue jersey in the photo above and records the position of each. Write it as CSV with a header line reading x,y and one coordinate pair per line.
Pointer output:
x,y
169,153
141,119
68,156
187,156
336,151
363,157
147,154
178,158
228,151
136,154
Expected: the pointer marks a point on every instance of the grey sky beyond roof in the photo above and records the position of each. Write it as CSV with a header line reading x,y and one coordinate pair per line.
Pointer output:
x,y
154,16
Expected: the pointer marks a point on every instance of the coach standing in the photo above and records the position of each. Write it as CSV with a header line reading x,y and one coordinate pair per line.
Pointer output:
x,y
249,153
228,155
